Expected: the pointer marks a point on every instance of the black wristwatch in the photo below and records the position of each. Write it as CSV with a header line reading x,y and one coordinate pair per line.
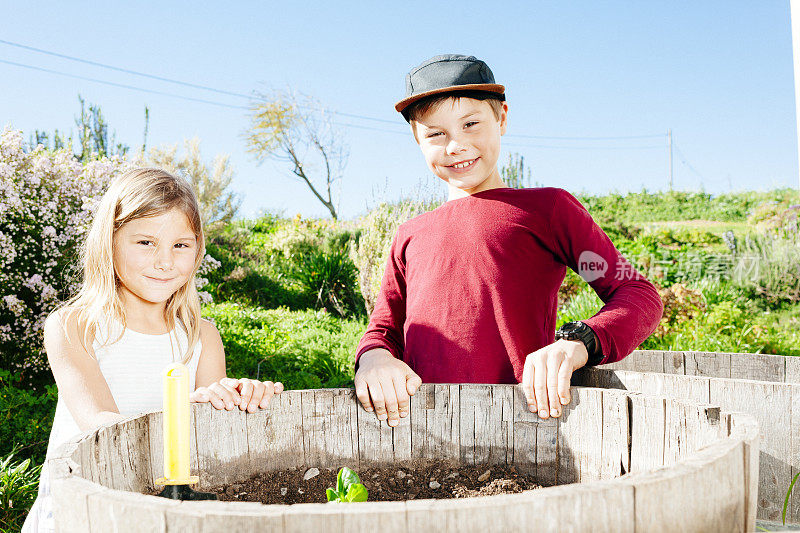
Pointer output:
x,y
578,331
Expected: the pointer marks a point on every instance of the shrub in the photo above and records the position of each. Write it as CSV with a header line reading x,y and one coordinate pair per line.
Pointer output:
x,y
19,483
217,205
716,291
303,349
570,287
768,265
724,328
779,331
680,205
712,315
776,217
618,231
681,305
683,263
273,262
237,279
331,278
372,251
583,305
46,200
732,322
26,415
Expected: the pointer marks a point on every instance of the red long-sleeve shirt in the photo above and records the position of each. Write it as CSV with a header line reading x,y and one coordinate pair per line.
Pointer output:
x,y
470,288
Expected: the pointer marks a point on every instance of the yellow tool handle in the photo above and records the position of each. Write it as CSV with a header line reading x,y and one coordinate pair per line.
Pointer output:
x,y
176,427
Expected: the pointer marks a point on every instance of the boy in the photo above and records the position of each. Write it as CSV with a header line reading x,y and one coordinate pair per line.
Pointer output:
x,y
470,289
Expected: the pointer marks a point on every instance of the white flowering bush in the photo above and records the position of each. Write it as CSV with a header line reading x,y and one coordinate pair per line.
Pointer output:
x,y
47,199
46,204
209,264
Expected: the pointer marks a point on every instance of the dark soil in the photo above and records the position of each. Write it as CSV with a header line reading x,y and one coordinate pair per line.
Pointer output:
x,y
408,481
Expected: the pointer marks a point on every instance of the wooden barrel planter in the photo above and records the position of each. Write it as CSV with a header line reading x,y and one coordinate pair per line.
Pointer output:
x,y
764,386
618,460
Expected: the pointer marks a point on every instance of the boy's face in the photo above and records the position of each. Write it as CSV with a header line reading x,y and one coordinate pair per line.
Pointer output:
x,y
460,140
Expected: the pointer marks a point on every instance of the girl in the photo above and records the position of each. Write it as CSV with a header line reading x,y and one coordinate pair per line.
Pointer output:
x,y
136,312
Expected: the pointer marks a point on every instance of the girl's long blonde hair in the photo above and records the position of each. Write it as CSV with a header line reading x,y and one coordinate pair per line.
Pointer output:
x,y
139,193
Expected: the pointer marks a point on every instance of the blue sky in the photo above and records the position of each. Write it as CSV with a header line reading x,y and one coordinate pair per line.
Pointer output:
x,y
719,74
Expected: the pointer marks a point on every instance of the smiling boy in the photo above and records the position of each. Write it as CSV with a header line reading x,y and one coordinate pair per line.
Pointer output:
x,y
469,294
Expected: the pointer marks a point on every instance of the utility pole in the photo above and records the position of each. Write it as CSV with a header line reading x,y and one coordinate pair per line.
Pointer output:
x,y
669,150
794,10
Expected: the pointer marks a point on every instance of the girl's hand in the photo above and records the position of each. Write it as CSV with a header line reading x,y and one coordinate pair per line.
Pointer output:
x,y
222,394
256,394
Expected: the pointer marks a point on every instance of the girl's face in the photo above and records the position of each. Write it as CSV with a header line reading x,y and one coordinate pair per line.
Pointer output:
x,y
154,256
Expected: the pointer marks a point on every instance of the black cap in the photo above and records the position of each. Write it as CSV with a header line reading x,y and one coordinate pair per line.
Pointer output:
x,y
448,73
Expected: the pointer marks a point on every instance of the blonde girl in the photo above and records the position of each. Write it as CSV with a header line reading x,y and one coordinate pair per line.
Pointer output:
x,y
136,312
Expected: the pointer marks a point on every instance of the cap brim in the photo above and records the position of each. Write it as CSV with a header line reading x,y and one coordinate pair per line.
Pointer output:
x,y
488,87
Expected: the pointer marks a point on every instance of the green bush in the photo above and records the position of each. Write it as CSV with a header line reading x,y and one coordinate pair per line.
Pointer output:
x,y
732,322
246,273
302,349
331,277
272,262
618,231
728,320
728,325
378,230
570,287
26,416
768,266
716,291
776,217
680,205
723,328
583,305
19,483
780,331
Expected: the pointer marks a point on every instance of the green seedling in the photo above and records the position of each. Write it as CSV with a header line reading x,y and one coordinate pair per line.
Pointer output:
x,y
348,488
788,493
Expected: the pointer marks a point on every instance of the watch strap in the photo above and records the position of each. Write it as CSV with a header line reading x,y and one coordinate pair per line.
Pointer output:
x,y
584,333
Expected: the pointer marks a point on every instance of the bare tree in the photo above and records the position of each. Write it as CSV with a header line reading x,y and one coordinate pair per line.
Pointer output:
x,y
299,131
210,184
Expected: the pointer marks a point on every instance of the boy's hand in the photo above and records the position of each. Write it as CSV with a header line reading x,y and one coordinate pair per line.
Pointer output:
x,y
385,384
547,373
246,393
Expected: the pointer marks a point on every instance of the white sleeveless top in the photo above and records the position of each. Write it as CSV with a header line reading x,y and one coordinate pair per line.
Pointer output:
x,y
132,367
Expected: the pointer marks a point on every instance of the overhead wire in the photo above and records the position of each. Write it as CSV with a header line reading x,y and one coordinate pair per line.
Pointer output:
x,y
122,85
257,97
120,69
177,82
648,136
647,147
685,162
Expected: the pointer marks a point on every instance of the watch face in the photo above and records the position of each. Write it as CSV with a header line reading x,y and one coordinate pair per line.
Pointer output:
x,y
573,331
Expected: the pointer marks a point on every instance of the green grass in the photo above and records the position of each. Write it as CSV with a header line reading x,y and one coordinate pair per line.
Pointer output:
x,y
680,205
717,228
302,349
19,482
275,272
